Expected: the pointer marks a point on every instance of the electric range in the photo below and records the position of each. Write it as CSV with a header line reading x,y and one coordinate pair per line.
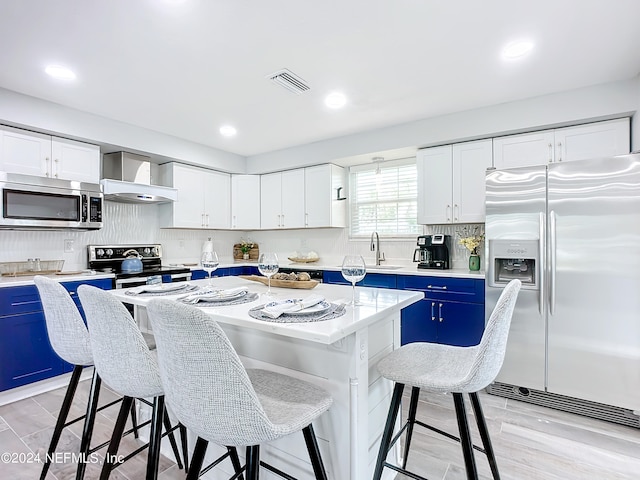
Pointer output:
x,y
109,258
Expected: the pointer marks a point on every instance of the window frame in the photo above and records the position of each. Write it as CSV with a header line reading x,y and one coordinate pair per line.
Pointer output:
x,y
390,164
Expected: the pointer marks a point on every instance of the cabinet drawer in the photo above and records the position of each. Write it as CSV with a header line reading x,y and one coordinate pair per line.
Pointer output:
x,y
445,288
18,300
380,280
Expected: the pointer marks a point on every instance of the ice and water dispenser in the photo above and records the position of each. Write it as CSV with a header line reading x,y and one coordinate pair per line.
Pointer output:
x,y
509,259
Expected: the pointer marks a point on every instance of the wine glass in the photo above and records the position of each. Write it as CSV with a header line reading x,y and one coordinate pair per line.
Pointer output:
x,y
353,270
268,266
210,262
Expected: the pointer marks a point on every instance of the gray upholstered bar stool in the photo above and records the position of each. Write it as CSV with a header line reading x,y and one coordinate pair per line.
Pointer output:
x,y
69,338
448,369
212,393
125,363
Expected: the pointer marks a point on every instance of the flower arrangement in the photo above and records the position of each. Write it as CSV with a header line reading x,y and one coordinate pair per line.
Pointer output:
x,y
246,246
470,238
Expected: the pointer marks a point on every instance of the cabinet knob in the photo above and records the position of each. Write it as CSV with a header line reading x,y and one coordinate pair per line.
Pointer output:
x,y
550,152
433,313
440,312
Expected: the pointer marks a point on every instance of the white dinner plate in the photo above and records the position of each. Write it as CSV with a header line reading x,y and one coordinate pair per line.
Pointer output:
x,y
161,287
317,308
218,296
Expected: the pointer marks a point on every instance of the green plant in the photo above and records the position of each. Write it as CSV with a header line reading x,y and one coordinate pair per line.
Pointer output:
x,y
246,246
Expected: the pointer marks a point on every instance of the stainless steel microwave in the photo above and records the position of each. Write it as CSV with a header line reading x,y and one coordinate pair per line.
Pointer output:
x,y
38,203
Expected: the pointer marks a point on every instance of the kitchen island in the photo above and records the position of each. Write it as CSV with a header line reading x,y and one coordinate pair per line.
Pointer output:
x,y
339,355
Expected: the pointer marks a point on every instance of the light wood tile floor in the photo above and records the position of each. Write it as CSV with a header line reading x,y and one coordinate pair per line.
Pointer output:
x,y
531,442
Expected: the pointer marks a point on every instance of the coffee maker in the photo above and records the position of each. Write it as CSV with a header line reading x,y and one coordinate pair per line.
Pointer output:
x,y
433,251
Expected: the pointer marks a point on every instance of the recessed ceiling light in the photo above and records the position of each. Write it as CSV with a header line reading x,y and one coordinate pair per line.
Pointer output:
x,y
228,131
517,49
60,72
335,100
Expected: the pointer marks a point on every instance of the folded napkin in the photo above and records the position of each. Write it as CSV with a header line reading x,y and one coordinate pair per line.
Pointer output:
x,y
291,306
214,295
158,287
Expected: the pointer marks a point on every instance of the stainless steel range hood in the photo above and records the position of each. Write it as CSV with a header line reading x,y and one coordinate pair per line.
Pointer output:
x,y
126,177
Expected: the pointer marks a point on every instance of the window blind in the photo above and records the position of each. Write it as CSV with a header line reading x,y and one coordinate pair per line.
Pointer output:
x,y
383,198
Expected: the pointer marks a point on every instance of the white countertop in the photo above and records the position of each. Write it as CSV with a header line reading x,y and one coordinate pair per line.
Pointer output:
x,y
63,277
377,303
410,269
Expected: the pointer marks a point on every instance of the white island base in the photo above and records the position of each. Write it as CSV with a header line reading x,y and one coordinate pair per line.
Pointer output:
x,y
349,433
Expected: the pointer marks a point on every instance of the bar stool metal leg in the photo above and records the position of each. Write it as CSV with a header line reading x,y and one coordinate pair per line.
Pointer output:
x,y
197,458
62,418
465,437
387,435
253,462
314,453
116,436
185,448
155,437
92,408
484,434
172,438
411,420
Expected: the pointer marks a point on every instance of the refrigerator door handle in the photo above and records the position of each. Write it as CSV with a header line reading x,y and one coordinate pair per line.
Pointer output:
x,y
541,256
552,262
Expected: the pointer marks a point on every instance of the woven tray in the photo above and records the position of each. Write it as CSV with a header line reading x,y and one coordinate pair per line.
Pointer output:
x,y
303,260
307,284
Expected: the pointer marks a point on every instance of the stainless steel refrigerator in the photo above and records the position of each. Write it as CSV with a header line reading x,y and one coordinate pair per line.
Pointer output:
x,y
571,232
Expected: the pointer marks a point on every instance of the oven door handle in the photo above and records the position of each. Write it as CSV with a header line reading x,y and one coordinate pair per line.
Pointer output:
x,y
182,277
123,282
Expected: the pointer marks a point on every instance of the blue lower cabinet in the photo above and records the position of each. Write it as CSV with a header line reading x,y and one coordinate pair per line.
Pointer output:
x,y
198,274
250,270
451,313
26,355
380,280
437,321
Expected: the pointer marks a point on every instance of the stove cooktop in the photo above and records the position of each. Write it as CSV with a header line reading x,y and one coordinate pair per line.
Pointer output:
x,y
150,271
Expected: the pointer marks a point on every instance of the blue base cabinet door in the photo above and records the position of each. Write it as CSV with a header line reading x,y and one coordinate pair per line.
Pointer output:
x,y
26,355
417,325
451,313
458,323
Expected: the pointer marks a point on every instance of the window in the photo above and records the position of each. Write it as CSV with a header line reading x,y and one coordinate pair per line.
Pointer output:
x,y
384,199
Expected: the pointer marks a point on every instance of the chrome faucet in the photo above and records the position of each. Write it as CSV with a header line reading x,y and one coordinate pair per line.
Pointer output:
x,y
375,246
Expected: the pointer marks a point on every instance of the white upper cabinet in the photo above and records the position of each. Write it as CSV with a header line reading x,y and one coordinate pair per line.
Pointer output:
x,y
282,199
451,182
31,153
470,163
324,191
75,160
245,202
303,198
593,140
204,198
435,184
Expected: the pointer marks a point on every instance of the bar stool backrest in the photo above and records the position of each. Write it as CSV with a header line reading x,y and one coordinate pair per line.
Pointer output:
x,y
120,352
205,383
492,347
67,332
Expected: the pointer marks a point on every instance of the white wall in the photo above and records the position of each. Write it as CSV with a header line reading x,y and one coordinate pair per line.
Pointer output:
x,y
40,115
124,224
598,102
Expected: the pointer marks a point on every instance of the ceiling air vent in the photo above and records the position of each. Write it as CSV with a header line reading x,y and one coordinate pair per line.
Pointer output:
x,y
289,80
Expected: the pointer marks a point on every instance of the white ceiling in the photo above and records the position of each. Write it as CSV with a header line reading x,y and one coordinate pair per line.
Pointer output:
x,y
184,68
